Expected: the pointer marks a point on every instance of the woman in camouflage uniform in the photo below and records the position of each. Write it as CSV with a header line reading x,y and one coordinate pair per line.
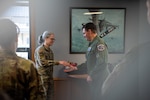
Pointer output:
x,y
44,59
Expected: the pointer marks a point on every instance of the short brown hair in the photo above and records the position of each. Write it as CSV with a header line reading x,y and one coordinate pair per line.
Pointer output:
x,y
8,31
91,26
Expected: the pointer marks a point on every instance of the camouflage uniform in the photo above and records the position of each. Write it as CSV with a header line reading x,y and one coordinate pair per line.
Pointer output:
x,y
18,77
44,59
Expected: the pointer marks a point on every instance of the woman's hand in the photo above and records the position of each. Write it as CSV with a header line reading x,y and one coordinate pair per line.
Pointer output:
x,y
68,66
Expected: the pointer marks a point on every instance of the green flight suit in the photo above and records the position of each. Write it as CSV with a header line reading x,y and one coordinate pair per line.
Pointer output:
x,y
96,62
95,66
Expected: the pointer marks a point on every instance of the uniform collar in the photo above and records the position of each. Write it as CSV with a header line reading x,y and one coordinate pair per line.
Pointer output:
x,y
46,48
7,52
91,42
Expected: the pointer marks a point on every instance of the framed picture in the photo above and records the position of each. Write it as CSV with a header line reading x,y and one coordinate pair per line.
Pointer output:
x,y
110,23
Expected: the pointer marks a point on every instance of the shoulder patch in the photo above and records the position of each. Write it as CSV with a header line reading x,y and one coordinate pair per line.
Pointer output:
x,y
101,47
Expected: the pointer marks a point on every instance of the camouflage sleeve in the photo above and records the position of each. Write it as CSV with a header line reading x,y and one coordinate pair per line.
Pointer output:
x,y
33,83
53,62
46,62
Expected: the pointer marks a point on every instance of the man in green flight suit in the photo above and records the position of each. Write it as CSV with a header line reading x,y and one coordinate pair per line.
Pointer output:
x,y
96,61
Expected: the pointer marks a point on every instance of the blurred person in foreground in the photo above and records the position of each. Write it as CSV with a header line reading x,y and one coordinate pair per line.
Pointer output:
x,y
18,76
44,58
4,96
130,78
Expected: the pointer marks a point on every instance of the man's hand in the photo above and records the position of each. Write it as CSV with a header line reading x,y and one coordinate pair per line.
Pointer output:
x,y
69,69
89,79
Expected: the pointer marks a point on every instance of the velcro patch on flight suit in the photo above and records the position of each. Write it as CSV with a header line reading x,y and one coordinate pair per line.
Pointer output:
x,y
101,47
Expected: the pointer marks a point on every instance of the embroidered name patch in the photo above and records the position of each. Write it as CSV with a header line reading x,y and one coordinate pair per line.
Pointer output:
x,y
101,47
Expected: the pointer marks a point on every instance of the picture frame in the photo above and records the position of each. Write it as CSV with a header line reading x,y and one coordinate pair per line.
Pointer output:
x,y
110,23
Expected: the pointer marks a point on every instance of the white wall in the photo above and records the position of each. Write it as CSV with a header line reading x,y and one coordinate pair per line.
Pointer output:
x,y
53,15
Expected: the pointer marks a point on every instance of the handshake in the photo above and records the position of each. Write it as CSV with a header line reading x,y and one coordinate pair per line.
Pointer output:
x,y
69,66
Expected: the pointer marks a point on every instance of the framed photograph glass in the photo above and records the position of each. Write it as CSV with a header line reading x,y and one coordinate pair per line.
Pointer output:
x,y
110,23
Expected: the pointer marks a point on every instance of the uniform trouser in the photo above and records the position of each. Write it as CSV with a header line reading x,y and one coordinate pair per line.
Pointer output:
x,y
42,92
96,84
49,88
95,90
